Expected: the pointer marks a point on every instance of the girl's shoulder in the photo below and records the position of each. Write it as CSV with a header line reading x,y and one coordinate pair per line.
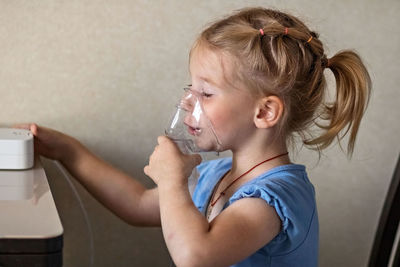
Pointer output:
x,y
283,184
287,189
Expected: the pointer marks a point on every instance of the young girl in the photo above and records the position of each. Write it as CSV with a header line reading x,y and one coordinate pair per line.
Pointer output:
x,y
260,76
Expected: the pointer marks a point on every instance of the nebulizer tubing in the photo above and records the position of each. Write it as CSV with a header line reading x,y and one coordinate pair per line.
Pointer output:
x,y
82,207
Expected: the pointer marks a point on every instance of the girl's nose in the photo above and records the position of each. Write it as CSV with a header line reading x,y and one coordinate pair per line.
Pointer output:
x,y
188,101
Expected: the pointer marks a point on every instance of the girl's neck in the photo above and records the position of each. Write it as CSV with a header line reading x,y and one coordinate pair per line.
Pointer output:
x,y
245,158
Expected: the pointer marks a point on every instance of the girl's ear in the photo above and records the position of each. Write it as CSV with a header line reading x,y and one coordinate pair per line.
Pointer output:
x,y
269,111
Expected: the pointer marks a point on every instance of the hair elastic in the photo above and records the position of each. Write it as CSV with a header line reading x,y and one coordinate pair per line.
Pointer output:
x,y
309,39
262,31
286,31
325,63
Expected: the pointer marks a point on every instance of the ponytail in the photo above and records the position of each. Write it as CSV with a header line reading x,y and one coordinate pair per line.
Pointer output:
x,y
353,86
276,54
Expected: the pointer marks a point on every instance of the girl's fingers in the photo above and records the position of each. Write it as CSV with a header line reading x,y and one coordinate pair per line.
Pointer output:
x,y
27,126
162,139
34,129
146,170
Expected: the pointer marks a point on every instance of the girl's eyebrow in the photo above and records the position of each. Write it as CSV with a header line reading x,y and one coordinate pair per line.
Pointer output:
x,y
209,81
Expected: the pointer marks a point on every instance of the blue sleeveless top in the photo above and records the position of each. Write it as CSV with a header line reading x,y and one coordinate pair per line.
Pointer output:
x,y
288,190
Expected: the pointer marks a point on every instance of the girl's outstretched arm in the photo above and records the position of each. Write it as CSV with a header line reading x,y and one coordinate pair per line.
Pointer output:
x,y
236,233
122,194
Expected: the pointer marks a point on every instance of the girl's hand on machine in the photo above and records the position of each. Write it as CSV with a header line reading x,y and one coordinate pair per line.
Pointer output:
x,y
167,164
50,143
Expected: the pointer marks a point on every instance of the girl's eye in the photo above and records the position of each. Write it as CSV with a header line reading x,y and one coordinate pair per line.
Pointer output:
x,y
206,95
200,91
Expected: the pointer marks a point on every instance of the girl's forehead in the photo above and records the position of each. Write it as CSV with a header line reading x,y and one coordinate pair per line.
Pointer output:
x,y
209,65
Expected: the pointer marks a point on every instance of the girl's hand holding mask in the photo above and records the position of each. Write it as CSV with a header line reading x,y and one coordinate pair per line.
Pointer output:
x,y
168,165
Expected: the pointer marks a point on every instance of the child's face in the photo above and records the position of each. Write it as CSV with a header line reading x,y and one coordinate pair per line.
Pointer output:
x,y
230,110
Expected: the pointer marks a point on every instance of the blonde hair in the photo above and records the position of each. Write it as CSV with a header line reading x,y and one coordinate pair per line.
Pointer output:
x,y
276,54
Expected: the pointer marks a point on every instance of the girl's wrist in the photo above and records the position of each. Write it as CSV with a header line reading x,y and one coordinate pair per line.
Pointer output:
x,y
172,185
71,150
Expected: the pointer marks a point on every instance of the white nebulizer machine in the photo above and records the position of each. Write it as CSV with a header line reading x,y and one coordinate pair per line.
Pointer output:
x,y
16,149
192,130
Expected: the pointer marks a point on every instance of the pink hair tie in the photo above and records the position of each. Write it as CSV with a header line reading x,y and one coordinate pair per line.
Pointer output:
x,y
286,31
262,31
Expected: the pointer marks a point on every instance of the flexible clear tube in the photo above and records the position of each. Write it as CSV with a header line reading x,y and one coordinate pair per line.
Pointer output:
x,y
85,215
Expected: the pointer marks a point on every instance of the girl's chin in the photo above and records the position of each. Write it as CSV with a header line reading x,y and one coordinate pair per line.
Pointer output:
x,y
206,146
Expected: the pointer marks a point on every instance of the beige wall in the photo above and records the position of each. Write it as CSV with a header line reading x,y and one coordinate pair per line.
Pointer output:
x,y
109,73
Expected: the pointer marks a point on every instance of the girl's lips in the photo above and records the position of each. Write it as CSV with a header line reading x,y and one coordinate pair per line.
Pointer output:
x,y
193,130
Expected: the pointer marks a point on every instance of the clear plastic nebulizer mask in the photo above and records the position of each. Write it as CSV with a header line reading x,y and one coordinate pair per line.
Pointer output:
x,y
191,129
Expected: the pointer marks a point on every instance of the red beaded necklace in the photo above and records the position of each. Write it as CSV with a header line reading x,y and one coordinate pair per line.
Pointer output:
x,y
236,179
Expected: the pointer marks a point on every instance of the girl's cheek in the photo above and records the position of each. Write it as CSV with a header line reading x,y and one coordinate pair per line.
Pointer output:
x,y
221,122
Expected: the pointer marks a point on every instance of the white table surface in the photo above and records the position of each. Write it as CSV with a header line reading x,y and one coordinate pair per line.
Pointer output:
x,y
27,208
